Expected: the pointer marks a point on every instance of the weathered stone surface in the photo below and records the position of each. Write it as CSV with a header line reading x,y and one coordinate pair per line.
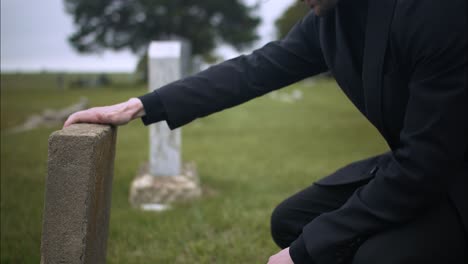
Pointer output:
x,y
78,194
167,62
50,117
147,189
164,179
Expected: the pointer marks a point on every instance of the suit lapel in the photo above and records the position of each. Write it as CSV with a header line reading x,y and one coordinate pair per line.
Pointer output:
x,y
380,14
338,55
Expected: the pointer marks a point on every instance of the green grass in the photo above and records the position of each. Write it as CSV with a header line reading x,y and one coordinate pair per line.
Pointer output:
x,y
251,157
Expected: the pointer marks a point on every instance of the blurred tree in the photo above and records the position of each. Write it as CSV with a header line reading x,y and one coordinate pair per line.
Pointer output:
x,y
121,24
290,17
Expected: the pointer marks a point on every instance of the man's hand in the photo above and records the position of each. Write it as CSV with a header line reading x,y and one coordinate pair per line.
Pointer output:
x,y
282,257
118,114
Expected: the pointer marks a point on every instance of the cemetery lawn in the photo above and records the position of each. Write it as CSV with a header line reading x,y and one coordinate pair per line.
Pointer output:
x,y
249,159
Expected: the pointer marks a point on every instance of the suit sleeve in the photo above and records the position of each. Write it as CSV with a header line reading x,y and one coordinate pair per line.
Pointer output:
x,y
238,80
433,141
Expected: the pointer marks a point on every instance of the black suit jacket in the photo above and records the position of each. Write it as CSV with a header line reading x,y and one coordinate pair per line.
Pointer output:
x,y
412,88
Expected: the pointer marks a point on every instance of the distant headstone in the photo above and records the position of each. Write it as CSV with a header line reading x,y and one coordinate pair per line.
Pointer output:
x,y
168,61
50,117
60,81
78,194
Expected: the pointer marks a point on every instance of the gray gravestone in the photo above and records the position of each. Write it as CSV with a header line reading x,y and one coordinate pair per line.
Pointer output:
x,y
165,179
168,62
78,194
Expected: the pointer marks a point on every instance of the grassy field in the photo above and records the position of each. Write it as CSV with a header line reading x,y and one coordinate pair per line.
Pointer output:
x,y
251,157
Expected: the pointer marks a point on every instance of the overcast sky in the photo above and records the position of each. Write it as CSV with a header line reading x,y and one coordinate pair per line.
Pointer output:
x,y
34,37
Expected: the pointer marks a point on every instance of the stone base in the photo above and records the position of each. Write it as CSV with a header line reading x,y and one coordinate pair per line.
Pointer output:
x,y
148,191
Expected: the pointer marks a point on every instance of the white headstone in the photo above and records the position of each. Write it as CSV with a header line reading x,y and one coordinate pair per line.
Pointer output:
x,y
168,62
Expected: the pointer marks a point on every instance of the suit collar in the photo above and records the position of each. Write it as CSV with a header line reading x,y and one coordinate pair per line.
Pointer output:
x,y
338,55
380,14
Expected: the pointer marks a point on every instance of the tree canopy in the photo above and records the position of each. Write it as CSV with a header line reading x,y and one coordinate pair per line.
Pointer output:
x,y
290,17
133,24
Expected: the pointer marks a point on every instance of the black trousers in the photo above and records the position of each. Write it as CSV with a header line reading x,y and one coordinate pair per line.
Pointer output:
x,y
437,236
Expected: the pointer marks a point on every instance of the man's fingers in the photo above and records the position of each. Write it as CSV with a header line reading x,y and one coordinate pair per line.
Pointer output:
x,y
91,115
76,117
114,114
70,120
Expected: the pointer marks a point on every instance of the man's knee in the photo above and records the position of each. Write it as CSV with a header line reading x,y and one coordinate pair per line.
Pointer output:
x,y
281,229
291,215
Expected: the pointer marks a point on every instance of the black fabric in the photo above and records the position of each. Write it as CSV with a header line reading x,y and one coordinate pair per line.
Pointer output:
x,y
357,171
154,109
412,88
436,236
289,217
354,25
